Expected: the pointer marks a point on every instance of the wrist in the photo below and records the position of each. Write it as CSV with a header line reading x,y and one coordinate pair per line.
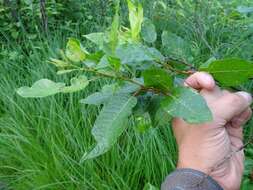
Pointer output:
x,y
188,159
227,175
188,177
198,167
192,165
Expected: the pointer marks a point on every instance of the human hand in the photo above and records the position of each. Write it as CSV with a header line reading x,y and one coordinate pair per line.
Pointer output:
x,y
206,147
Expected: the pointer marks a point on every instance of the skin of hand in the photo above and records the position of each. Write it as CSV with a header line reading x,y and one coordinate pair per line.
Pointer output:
x,y
204,147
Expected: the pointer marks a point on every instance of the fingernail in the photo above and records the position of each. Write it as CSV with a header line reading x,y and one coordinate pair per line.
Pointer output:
x,y
246,96
209,81
185,84
207,76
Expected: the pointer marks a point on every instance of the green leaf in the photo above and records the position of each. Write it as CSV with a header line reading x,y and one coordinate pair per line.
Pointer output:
x,y
58,63
158,115
99,98
143,123
207,63
89,63
77,84
135,19
148,31
74,51
41,88
113,36
110,62
95,56
93,59
110,123
186,103
230,72
157,78
128,88
102,97
114,63
107,92
125,35
62,72
96,38
161,118
143,103
244,9
156,55
134,53
96,98
175,46
103,63
107,42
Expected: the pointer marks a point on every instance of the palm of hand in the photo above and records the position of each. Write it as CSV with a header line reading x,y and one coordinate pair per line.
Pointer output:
x,y
206,149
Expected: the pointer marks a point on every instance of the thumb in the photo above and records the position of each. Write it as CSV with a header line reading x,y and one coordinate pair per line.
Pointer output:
x,y
200,81
231,105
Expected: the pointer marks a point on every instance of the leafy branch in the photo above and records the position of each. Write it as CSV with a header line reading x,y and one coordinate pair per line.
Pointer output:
x,y
146,80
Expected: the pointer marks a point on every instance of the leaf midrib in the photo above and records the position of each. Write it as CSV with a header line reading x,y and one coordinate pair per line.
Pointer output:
x,y
232,71
119,113
182,103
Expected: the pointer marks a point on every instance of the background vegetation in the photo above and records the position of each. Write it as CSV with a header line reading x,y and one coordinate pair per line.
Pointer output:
x,y
42,141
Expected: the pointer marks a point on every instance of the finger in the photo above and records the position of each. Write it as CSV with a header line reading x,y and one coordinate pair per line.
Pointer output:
x,y
231,105
212,95
241,119
200,80
235,135
235,130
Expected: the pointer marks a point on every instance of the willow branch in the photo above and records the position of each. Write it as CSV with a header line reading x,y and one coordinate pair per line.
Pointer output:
x,y
114,76
183,62
117,77
172,69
